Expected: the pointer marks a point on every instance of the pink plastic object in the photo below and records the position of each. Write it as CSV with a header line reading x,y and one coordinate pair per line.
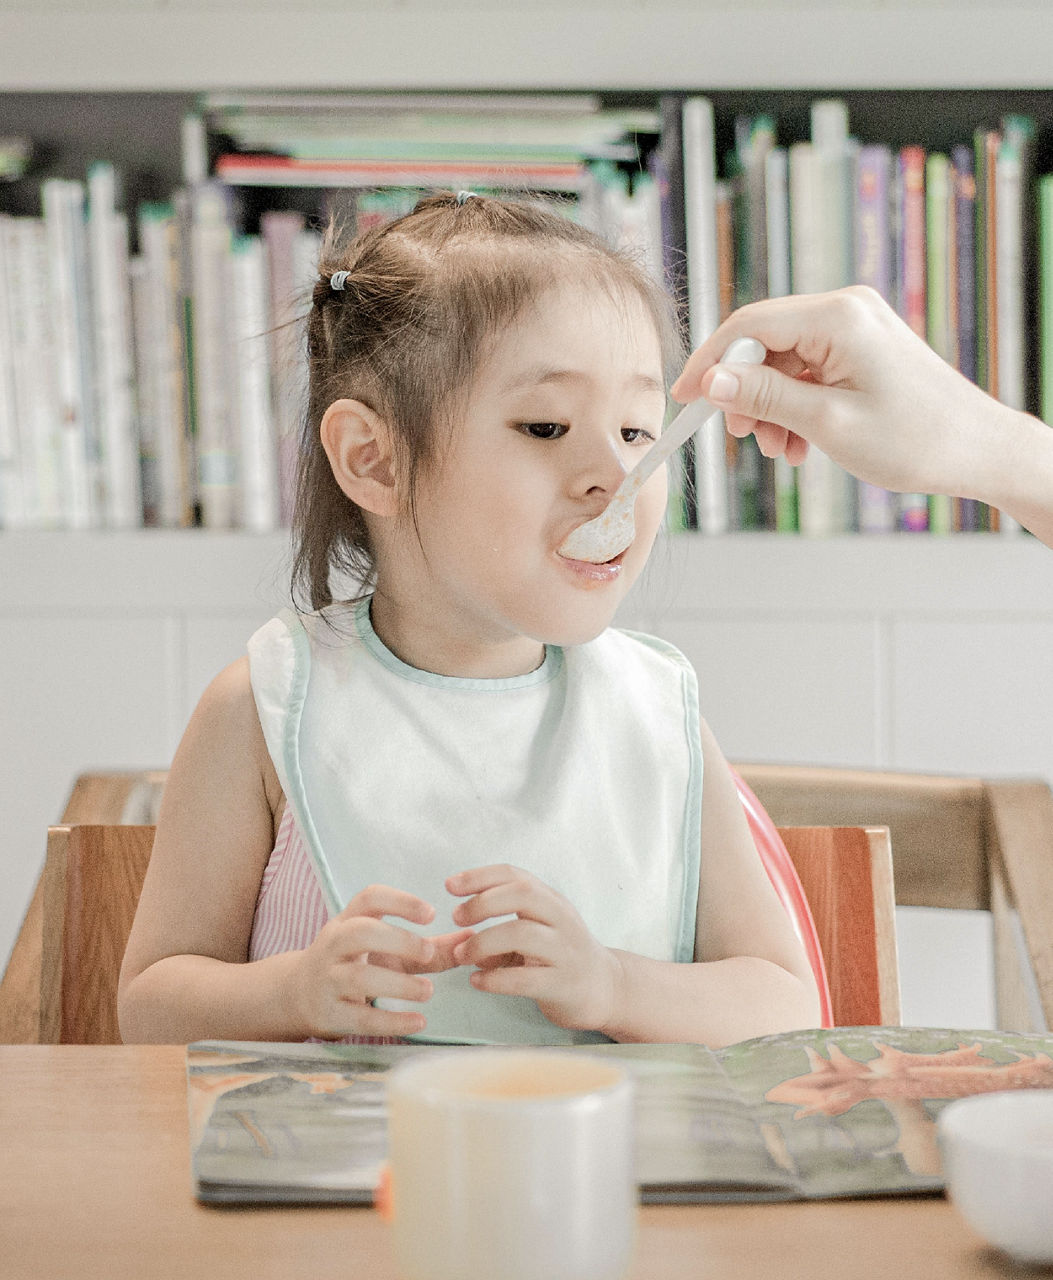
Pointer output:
x,y
783,875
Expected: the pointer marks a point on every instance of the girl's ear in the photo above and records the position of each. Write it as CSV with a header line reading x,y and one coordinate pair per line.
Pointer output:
x,y
357,443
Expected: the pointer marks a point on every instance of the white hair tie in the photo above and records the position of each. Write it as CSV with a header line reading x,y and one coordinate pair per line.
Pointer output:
x,y
464,196
338,279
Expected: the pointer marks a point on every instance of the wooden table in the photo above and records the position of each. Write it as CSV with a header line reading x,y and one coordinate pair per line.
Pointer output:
x,y
95,1185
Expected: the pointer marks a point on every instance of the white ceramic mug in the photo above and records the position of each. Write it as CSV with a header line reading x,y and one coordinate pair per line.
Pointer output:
x,y
512,1163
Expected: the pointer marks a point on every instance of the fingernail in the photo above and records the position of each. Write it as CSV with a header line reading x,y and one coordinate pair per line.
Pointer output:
x,y
723,388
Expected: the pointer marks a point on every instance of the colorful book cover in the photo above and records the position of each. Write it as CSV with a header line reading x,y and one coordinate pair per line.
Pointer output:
x,y
813,1114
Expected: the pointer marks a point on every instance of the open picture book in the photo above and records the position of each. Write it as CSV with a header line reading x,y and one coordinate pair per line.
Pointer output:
x,y
807,1114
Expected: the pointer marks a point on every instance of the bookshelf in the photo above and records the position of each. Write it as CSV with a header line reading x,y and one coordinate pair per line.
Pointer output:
x,y
898,651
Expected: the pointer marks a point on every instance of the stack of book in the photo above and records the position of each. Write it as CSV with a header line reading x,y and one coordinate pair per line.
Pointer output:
x,y
951,241
152,368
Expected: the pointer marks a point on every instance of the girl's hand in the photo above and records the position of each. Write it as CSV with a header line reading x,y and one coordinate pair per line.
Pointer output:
x,y
546,953
358,956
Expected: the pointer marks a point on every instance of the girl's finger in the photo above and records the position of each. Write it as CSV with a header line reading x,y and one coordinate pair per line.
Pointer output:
x,y
528,938
365,934
533,981
383,900
479,879
371,982
524,897
364,1020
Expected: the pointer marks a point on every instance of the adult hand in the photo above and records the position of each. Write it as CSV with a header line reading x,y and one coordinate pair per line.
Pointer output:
x,y
847,374
358,957
545,953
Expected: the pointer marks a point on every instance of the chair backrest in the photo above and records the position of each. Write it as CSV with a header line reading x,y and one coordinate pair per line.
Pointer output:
x,y
846,874
93,876
92,879
114,796
957,842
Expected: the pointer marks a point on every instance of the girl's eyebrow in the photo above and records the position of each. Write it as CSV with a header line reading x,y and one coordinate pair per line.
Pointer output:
x,y
541,375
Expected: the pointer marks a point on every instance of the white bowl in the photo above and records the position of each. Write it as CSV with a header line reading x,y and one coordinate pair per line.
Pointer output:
x,y
997,1151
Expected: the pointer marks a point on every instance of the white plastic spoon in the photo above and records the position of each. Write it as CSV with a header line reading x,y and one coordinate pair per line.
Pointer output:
x,y
606,536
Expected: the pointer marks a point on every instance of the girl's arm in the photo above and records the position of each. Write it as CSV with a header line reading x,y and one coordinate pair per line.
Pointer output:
x,y
751,976
185,974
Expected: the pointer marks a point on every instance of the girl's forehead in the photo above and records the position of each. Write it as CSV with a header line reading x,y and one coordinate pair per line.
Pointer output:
x,y
592,321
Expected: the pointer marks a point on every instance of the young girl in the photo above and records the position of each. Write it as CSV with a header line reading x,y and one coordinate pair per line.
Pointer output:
x,y
461,807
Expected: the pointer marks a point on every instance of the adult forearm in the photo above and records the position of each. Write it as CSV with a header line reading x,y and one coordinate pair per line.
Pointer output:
x,y
187,997
715,1002
1013,471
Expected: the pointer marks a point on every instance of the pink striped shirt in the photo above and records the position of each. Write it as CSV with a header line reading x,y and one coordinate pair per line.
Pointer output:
x,y
291,909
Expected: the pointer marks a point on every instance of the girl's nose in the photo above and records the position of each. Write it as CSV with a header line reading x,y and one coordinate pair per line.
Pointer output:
x,y
601,468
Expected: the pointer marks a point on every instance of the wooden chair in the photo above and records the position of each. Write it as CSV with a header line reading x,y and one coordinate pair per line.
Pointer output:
x,y
113,797
93,876
964,842
92,879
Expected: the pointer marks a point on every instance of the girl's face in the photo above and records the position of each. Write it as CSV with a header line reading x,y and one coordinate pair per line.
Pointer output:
x,y
569,401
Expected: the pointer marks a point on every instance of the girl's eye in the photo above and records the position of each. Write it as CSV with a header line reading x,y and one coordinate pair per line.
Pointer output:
x,y
544,430
637,435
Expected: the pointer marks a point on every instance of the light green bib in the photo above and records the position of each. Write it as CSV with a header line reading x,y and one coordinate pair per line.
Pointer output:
x,y
586,772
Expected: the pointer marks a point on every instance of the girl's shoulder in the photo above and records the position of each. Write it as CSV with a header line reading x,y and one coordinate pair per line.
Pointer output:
x,y
227,724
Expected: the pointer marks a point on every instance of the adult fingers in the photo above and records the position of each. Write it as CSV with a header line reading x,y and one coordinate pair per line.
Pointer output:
x,y
754,394
809,325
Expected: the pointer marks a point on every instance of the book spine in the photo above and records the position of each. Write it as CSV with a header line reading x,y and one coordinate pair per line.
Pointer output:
x,y
146,409
913,507
938,296
35,360
874,268
820,482
967,510
214,411
63,205
116,411
777,218
279,231
165,359
257,454
703,296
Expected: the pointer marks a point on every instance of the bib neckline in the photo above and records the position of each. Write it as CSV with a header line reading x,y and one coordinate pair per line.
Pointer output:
x,y
548,670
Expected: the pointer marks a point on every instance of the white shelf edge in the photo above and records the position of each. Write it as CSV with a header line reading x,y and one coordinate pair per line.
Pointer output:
x,y
704,46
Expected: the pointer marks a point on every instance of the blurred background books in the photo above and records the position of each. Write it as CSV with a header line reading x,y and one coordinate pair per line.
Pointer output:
x,y
152,368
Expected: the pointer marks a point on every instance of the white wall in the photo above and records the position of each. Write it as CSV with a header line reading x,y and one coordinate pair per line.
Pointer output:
x,y
905,652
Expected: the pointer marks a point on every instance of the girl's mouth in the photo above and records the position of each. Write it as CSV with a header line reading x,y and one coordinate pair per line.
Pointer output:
x,y
589,574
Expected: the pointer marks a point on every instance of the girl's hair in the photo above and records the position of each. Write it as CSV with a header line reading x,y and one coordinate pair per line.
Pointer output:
x,y
405,334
